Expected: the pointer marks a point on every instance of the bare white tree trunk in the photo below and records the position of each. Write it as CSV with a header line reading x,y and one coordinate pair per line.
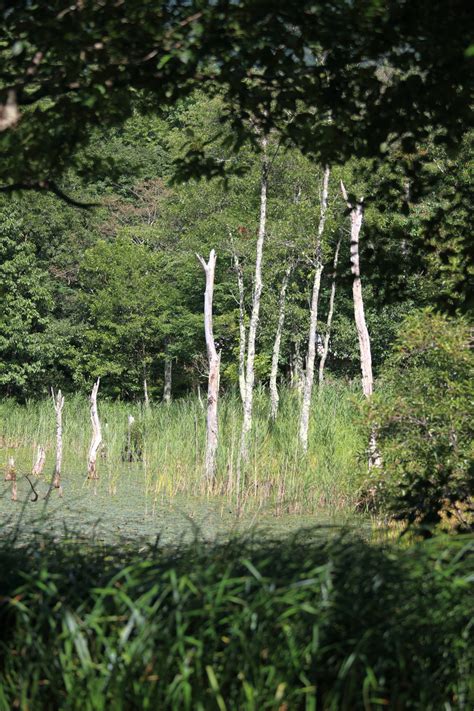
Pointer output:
x,y
10,475
10,470
242,334
38,466
313,320
332,297
357,216
254,319
168,377
214,359
58,402
146,397
274,396
96,434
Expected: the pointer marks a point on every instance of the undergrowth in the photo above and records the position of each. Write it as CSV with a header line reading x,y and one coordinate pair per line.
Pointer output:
x,y
243,625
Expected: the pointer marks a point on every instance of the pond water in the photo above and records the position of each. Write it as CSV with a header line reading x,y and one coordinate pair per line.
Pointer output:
x,y
127,513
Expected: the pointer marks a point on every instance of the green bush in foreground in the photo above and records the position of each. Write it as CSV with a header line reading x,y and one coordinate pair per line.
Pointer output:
x,y
295,624
424,414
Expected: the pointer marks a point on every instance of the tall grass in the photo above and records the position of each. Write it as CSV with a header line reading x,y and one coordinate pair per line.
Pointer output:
x,y
172,440
290,624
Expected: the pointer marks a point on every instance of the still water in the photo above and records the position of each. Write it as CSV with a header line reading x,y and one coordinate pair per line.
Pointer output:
x,y
126,512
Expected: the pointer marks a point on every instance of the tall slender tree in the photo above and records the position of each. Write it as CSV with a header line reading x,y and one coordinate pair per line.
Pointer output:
x,y
274,395
214,360
255,315
332,297
313,318
242,331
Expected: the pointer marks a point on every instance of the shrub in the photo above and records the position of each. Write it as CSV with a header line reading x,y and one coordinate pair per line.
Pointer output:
x,y
423,414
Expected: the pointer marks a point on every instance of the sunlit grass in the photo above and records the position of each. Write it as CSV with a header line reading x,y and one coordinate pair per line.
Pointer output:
x,y
171,439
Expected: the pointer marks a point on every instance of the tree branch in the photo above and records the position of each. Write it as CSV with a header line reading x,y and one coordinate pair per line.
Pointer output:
x,y
47,186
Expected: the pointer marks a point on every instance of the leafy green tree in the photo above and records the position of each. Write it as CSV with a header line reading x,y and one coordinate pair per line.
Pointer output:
x,y
127,309
30,342
424,414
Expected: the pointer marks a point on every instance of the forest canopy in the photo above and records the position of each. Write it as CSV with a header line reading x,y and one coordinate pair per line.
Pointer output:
x,y
336,79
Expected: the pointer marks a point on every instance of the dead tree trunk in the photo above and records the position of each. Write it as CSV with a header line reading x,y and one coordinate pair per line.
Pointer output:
x,y
58,402
168,378
96,434
38,466
332,297
356,212
313,320
255,315
10,475
214,359
146,397
242,334
274,396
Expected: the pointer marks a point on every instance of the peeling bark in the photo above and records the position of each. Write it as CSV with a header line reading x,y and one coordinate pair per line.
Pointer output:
x,y
96,434
313,320
214,359
274,396
332,297
356,212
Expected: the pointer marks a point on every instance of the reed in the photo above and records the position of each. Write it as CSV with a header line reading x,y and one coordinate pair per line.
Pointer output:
x,y
297,623
170,444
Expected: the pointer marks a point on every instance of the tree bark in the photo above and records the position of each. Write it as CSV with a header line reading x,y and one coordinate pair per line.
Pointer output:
x,y
254,318
242,334
10,475
96,434
356,212
146,397
168,379
214,359
38,466
313,320
274,396
332,297
58,402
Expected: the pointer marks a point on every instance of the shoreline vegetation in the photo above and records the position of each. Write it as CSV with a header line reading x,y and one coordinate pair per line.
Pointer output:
x,y
236,363
160,449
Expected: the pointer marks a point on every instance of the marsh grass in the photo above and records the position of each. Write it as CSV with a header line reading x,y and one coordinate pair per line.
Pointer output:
x,y
303,622
172,443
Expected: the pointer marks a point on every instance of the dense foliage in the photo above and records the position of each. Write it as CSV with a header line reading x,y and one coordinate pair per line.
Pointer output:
x,y
298,624
354,77
117,290
424,417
